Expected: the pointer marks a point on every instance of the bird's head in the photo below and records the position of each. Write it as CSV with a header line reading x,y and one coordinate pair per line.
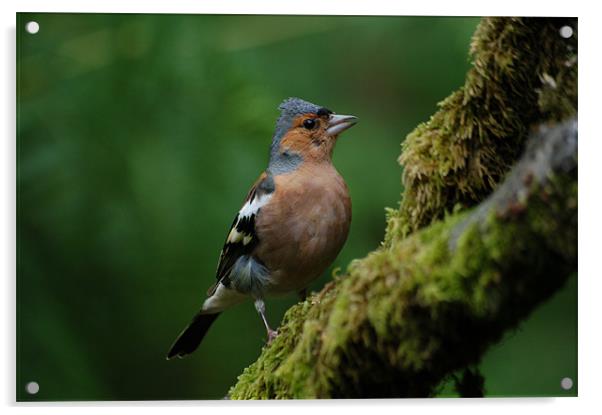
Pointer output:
x,y
305,132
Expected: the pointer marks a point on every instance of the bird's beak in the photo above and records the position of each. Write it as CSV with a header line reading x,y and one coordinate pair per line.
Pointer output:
x,y
339,123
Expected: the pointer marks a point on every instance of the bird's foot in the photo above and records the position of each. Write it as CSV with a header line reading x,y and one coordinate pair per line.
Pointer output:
x,y
272,334
260,307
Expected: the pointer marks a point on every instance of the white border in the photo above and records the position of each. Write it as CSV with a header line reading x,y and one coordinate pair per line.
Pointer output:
x,y
339,7
590,289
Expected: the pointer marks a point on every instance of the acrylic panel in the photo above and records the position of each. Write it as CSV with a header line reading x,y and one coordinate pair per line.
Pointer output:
x,y
452,271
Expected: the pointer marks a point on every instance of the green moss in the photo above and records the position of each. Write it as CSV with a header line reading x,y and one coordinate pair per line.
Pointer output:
x,y
405,317
423,306
282,370
523,73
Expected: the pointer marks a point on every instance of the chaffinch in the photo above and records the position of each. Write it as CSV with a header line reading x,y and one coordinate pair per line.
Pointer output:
x,y
292,224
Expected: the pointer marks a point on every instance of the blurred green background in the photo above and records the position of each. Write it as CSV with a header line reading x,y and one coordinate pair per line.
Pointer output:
x,y
138,138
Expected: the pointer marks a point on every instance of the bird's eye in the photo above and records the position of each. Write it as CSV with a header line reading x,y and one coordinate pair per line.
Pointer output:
x,y
310,123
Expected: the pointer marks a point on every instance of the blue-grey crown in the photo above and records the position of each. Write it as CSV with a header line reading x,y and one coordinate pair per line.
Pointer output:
x,y
289,109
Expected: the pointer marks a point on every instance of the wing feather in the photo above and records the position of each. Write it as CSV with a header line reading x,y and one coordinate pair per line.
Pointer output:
x,y
242,237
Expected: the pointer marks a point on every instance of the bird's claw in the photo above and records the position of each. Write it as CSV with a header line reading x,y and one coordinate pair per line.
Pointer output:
x,y
272,334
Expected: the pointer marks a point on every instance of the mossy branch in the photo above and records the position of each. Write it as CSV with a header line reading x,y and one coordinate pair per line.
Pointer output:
x,y
523,73
443,287
412,313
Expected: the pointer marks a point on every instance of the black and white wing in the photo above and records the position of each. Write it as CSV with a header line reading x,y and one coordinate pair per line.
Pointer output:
x,y
242,238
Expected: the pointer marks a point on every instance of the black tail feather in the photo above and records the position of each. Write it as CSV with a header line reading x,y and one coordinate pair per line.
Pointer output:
x,y
188,341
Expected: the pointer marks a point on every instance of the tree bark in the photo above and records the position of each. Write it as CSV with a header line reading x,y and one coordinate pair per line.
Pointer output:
x,y
446,285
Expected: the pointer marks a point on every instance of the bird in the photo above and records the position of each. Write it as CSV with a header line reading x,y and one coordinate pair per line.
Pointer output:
x,y
292,224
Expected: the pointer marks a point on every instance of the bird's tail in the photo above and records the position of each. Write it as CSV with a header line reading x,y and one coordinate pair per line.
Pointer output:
x,y
188,341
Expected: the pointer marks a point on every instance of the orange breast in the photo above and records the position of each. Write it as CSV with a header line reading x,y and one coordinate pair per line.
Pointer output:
x,y
304,227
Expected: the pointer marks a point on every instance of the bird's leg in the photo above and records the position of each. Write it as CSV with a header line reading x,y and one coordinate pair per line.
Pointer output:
x,y
260,307
302,294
